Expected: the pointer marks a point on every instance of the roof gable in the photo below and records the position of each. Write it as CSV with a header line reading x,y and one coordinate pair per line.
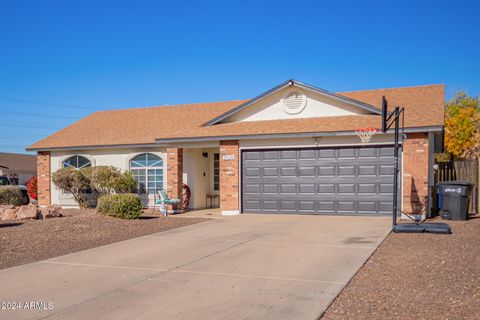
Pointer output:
x,y
317,103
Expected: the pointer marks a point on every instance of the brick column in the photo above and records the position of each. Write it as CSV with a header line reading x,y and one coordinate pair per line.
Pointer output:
x,y
415,174
44,178
174,173
229,177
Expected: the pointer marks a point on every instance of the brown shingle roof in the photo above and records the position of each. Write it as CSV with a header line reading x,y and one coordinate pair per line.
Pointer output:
x,y
18,162
423,107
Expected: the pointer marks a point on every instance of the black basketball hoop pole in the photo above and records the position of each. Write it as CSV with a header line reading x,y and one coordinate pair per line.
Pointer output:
x,y
387,121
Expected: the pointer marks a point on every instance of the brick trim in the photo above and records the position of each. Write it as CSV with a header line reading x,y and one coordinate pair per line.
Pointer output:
x,y
44,178
415,174
229,177
174,173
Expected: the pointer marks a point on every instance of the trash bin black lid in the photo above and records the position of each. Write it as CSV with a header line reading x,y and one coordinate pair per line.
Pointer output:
x,y
455,183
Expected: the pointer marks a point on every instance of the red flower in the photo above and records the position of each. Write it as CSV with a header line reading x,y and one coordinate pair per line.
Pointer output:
x,y
32,187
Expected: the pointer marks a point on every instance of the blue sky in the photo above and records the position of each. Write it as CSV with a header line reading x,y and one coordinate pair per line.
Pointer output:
x,y
61,60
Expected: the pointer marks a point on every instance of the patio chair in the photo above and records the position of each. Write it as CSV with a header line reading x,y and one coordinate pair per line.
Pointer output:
x,y
164,201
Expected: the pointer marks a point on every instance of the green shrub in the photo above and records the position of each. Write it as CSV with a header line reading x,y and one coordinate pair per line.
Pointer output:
x,y
124,183
11,196
108,180
124,206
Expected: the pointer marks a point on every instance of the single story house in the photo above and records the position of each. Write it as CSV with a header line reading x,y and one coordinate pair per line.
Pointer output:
x,y
18,167
291,149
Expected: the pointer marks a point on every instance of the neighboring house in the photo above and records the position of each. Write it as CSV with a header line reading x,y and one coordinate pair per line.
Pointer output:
x,y
18,167
292,149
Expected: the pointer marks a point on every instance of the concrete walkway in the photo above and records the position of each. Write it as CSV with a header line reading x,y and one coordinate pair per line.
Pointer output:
x,y
240,267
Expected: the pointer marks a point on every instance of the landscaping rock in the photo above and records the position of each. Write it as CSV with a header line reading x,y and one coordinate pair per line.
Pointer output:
x,y
5,207
49,212
8,214
27,212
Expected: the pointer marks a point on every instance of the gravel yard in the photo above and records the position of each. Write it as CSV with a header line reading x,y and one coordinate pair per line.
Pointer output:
x,y
417,276
27,241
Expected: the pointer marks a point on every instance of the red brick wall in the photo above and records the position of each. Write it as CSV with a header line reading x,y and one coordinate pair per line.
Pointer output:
x,y
44,178
174,172
229,176
415,173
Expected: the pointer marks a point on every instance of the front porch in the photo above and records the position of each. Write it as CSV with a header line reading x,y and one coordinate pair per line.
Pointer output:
x,y
211,173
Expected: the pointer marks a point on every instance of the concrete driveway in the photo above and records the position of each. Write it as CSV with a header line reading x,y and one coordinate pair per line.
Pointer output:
x,y
240,267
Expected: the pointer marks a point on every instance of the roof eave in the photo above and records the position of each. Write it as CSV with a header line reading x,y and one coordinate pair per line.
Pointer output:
x,y
437,128
108,146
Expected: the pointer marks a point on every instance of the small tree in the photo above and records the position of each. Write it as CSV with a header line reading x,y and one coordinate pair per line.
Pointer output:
x,y
73,181
462,125
107,180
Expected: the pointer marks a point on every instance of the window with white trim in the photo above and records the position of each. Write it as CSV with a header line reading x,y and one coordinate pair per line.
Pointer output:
x,y
147,169
77,162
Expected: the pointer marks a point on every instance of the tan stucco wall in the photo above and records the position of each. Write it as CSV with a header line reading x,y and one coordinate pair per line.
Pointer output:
x,y
102,157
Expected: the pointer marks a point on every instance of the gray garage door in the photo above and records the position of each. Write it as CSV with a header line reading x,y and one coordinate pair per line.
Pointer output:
x,y
318,181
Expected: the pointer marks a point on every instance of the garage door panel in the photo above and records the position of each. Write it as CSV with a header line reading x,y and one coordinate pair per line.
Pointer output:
x,y
346,207
251,172
252,188
386,170
367,170
344,170
367,153
269,205
307,154
326,206
253,205
269,172
318,180
306,171
288,171
367,188
288,188
288,154
306,188
386,152
349,153
269,155
326,171
326,154
386,188
288,206
306,206
326,188
270,188
345,188
367,206
252,155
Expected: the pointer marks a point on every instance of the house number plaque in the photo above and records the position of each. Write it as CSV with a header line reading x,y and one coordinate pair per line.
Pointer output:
x,y
228,157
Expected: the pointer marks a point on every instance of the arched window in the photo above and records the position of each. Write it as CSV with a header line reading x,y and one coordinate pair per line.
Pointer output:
x,y
147,169
77,162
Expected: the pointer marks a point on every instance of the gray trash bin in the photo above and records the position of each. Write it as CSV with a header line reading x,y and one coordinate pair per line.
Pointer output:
x,y
454,199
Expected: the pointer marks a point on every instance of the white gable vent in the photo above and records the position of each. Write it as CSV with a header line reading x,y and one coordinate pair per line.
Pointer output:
x,y
294,102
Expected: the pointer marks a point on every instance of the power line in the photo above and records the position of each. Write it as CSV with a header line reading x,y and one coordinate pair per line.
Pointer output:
x,y
15,138
60,95
13,147
38,115
51,104
21,132
26,125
